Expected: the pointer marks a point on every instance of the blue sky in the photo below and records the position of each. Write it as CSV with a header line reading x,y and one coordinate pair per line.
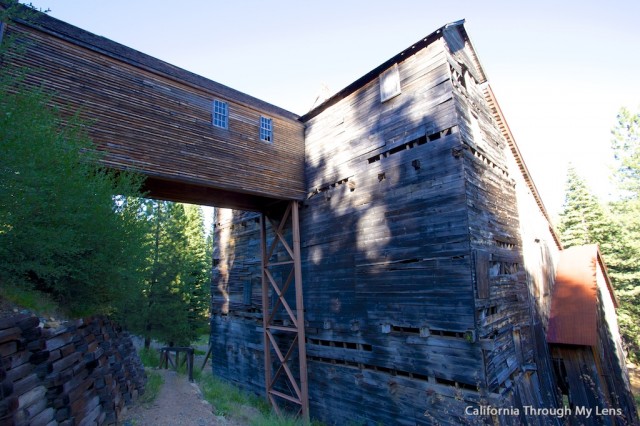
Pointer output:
x,y
560,70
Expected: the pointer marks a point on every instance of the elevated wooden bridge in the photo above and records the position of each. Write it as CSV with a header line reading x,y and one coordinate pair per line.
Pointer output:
x,y
195,140
152,117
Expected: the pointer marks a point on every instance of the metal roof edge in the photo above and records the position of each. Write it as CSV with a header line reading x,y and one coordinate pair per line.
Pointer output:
x,y
605,272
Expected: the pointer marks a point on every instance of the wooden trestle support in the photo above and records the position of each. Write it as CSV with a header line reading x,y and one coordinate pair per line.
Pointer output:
x,y
283,324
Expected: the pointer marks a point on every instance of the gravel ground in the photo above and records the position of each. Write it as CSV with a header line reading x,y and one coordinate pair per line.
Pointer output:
x,y
178,403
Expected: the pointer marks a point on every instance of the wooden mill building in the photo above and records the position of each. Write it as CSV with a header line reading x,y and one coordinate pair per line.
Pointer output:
x,y
389,260
428,258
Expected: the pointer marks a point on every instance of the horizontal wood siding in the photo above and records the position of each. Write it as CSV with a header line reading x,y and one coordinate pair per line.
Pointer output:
x,y
389,399
495,238
237,351
417,297
385,246
386,259
160,124
237,263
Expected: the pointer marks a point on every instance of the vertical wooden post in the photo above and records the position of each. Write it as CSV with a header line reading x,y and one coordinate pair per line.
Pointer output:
x,y
302,349
190,363
266,309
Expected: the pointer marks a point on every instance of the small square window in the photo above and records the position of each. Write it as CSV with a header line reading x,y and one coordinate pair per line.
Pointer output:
x,y
266,129
220,114
390,83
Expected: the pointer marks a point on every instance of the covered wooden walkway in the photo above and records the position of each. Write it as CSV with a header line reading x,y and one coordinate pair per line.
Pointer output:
x,y
195,140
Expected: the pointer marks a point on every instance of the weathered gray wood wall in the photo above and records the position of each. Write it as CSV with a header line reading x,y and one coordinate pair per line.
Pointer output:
x,y
416,297
504,306
428,256
386,250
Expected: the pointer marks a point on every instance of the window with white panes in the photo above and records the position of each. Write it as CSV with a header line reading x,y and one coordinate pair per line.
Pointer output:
x,y
266,129
220,114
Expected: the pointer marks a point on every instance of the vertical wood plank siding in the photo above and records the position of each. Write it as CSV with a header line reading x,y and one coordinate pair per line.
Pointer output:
x,y
149,116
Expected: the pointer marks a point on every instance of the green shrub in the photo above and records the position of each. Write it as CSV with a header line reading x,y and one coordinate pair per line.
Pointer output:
x,y
152,388
62,231
30,299
150,357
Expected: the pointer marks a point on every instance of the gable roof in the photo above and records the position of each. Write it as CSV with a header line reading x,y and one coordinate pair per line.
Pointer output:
x,y
517,155
374,73
481,77
80,37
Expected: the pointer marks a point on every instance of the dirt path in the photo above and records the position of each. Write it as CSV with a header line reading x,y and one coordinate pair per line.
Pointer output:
x,y
634,377
178,403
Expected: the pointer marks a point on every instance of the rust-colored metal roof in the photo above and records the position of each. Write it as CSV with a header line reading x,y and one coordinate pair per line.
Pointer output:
x,y
574,304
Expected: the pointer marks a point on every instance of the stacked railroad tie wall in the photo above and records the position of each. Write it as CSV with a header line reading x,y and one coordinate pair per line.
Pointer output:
x,y
84,372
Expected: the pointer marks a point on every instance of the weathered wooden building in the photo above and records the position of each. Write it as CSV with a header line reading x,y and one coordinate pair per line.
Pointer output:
x,y
425,253
428,258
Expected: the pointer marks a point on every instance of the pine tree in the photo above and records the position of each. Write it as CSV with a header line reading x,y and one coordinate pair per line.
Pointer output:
x,y
583,220
62,230
626,147
66,227
197,274
172,303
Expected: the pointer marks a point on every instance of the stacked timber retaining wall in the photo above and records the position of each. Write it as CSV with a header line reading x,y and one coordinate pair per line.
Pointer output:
x,y
84,372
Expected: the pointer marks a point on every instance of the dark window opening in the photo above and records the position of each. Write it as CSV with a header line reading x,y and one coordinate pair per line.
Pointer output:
x,y
339,344
406,330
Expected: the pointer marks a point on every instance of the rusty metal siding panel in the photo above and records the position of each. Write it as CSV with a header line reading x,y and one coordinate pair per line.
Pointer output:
x,y
574,302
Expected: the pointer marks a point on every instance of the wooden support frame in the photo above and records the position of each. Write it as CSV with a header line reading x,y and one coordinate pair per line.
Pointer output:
x,y
165,358
283,325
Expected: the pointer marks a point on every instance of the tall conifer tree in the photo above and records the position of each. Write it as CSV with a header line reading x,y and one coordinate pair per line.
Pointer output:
x,y
583,220
626,147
